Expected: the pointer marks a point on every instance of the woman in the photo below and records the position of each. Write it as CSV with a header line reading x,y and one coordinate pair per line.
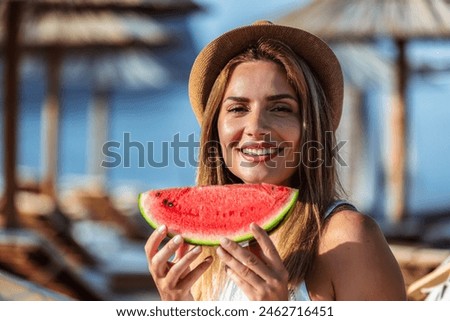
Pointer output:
x,y
269,99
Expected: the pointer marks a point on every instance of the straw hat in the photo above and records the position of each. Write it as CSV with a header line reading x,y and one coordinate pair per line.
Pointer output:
x,y
316,53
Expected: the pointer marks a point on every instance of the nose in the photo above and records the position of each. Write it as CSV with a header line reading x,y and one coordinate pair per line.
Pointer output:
x,y
257,125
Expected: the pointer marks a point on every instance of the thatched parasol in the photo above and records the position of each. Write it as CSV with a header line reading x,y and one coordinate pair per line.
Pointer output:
x,y
364,71
143,7
400,20
53,27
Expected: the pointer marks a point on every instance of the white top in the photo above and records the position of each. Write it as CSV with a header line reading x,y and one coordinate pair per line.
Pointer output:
x,y
232,293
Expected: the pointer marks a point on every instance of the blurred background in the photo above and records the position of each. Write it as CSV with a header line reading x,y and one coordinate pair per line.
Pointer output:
x,y
96,110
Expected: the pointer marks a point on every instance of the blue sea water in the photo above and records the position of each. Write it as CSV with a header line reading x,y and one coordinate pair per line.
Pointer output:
x,y
136,118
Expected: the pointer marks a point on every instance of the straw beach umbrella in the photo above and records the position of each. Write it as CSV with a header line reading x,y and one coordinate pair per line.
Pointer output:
x,y
364,71
53,28
399,20
82,34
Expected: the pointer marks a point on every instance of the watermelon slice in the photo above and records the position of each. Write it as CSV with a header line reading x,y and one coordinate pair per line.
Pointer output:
x,y
205,214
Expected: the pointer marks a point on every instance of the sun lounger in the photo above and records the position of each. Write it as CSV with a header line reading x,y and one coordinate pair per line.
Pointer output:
x,y
433,286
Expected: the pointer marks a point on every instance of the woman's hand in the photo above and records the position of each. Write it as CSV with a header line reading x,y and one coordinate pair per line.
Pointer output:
x,y
261,277
173,279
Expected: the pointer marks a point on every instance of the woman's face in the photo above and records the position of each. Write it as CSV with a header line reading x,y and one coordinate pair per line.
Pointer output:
x,y
259,124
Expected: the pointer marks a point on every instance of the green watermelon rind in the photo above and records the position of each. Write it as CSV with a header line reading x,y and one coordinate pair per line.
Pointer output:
x,y
271,225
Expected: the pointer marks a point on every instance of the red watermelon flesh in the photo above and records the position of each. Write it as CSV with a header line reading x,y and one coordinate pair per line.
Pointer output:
x,y
205,214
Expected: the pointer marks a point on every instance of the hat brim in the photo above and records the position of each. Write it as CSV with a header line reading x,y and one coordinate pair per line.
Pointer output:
x,y
315,52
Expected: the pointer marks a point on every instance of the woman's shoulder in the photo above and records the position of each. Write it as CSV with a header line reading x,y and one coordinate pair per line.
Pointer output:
x,y
349,224
354,246
354,231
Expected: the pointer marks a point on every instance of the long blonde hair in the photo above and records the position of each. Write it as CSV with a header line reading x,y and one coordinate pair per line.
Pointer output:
x,y
297,237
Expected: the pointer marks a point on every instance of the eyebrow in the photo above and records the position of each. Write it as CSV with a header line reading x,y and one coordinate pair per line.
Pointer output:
x,y
270,98
281,96
238,99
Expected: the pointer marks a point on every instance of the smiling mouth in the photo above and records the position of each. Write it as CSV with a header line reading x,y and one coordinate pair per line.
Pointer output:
x,y
260,154
259,151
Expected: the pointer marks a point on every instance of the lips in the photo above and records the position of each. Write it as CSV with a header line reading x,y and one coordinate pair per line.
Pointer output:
x,y
259,152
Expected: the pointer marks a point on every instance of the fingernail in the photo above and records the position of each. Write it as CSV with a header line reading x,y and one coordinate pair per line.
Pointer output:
x,y
196,250
177,239
220,251
161,229
224,241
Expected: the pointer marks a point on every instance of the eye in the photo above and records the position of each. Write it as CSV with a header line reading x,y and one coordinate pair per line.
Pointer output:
x,y
237,109
282,108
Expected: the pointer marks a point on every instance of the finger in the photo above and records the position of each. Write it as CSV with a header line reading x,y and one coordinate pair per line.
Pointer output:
x,y
246,266
181,268
242,284
180,253
248,259
159,262
270,254
154,241
182,250
189,280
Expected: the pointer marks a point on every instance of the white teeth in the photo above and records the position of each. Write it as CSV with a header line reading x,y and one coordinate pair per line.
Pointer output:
x,y
259,151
